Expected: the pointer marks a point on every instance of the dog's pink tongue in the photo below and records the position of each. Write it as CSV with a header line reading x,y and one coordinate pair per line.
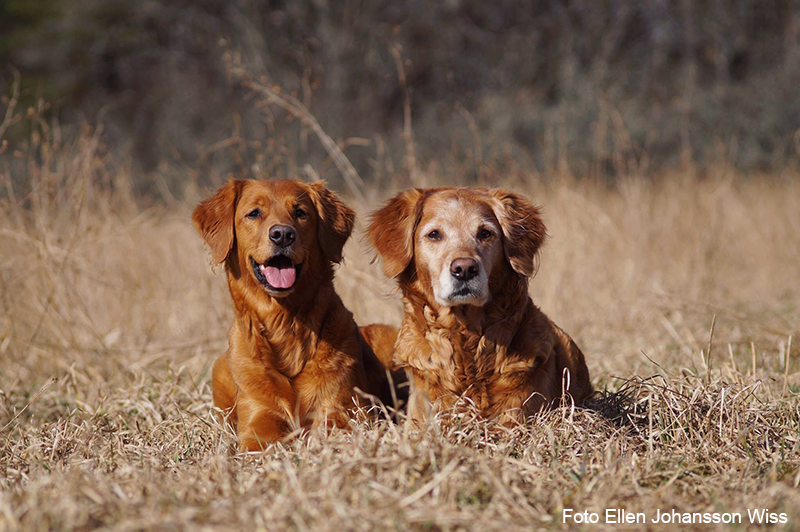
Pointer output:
x,y
279,277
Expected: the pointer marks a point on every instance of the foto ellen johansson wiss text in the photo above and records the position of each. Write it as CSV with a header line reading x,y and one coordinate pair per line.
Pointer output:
x,y
622,516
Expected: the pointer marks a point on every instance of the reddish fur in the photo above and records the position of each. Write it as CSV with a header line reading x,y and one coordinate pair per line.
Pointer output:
x,y
293,361
505,356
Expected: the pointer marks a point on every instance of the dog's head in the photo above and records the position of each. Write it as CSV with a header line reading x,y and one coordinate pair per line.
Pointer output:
x,y
275,231
459,242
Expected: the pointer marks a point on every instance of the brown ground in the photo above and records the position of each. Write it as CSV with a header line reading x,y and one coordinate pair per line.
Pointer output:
x,y
110,319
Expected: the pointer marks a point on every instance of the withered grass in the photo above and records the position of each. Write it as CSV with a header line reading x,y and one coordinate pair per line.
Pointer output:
x,y
110,318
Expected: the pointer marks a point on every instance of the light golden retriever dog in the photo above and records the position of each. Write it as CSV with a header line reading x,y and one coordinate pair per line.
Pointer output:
x,y
462,258
295,355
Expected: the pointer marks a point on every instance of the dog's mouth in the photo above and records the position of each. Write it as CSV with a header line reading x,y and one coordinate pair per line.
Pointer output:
x,y
472,292
278,274
465,295
464,291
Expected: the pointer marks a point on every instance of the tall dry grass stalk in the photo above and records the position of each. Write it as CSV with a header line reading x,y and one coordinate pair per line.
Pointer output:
x,y
117,302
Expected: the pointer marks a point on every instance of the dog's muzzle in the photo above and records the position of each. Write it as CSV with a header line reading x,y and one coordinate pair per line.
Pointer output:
x,y
278,273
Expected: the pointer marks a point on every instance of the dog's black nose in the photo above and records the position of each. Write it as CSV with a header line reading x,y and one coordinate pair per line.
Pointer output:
x,y
464,269
282,235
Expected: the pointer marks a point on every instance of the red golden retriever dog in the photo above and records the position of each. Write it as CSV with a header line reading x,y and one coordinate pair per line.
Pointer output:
x,y
295,354
462,259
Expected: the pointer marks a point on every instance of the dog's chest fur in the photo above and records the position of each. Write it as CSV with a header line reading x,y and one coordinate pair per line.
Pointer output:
x,y
294,344
465,351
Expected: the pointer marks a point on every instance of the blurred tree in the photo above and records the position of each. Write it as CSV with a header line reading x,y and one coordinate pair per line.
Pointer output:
x,y
601,84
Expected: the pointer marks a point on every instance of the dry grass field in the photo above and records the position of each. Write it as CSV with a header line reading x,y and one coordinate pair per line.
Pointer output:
x,y
110,317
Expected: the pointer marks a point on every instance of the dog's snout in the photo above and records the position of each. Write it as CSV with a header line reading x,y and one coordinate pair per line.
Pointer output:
x,y
464,269
282,235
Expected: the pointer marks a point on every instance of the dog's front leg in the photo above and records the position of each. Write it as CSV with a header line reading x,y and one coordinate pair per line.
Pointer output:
x,y
259,424
265,406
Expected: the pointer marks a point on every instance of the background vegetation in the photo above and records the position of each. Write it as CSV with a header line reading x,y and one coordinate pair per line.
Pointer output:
x,y
590,87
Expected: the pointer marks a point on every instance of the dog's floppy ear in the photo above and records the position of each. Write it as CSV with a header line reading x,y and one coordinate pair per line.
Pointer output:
x,y
335,220
524,231
213,219
391,230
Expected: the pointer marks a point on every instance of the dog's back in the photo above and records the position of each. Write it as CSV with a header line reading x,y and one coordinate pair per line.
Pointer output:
x,y
385,381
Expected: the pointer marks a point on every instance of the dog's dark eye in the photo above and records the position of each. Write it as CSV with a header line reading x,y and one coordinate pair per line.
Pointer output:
x,y
300,213
484,234
254,214
434,235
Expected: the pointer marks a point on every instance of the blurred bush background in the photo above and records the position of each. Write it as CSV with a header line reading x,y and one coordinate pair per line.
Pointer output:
x,y
586,87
